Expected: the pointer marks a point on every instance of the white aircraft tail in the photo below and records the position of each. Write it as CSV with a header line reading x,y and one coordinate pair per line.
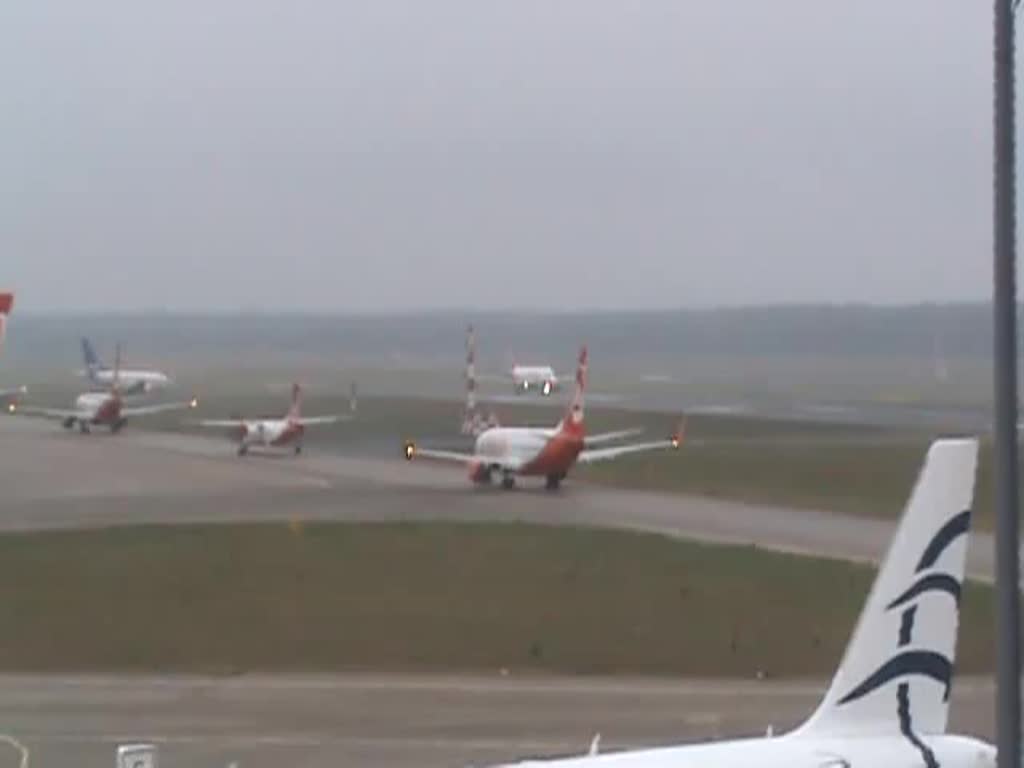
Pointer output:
x,y
295,409
896,674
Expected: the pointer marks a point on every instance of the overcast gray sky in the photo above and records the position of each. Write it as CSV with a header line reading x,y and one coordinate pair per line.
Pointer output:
x,y
244,154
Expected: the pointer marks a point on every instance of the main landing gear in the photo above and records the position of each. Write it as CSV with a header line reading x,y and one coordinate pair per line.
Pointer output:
x,y
553,482
508,480
116,426
242,449
298,448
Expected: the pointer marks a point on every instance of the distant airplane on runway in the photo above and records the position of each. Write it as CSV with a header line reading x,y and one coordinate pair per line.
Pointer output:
x,y
548,453
277,433
106,409
133,381
888,704
525,379
8,396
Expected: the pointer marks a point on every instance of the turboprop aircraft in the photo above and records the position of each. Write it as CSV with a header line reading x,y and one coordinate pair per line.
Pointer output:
x,y
278,433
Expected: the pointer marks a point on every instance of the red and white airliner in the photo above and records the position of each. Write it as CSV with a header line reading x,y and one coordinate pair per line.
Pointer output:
x,y
547,453
102,409
277,433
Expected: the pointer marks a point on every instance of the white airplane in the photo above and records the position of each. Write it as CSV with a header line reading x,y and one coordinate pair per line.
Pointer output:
x,y
547,453
94,409
133,381
888,704
534,378
277,433
525,379
8,396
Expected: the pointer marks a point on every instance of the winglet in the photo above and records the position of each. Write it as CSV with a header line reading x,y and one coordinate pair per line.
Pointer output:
x,y
896,674
679,436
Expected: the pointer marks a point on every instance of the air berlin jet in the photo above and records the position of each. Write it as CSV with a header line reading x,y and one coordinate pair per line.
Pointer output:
x,y
102,409
547,453
277,433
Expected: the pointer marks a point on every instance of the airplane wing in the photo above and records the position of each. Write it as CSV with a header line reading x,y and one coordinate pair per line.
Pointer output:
x,y
308,421
413,451
46,413
219,423
589,456
149,410
609,437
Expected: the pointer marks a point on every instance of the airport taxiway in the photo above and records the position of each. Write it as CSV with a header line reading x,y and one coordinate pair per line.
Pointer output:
x,y
57,479
392,721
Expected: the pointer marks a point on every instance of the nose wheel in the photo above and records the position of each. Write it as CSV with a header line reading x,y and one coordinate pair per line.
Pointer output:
x,y
298,448
243,449
508,480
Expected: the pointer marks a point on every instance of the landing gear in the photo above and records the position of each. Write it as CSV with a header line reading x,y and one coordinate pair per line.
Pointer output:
x,y
83,427
552,482
508,480
242,449
116,426
298,448
68,423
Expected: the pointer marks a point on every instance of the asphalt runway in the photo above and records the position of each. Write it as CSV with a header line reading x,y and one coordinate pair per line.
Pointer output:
x,y
395,722
57,479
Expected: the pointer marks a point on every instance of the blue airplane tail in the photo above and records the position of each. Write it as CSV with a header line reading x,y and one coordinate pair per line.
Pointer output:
x,y
92,361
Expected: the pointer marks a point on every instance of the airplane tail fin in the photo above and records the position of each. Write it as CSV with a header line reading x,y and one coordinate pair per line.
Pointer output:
x,y
896,674
573,421
295,411
6,305
92,360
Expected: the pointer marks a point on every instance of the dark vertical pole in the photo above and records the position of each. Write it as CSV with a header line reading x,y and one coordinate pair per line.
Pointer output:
x,y
1005,296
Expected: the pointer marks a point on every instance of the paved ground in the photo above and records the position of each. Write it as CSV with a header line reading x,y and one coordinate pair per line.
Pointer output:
x,y
393,722
52,478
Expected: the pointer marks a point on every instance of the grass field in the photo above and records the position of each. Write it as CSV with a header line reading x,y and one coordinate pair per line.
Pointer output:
x,y
222,599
